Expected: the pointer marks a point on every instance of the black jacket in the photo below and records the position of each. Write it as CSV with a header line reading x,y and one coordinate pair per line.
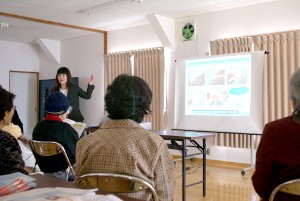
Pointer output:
x,y
74,92
17,121
61,132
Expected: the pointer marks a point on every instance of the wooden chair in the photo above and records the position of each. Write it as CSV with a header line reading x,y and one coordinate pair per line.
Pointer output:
x,y
291,187
116,183
47,154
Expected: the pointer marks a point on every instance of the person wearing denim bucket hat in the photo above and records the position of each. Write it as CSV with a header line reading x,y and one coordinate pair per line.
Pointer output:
x,y
52,128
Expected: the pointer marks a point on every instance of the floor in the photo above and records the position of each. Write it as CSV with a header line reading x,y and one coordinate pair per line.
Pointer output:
x,y
224,183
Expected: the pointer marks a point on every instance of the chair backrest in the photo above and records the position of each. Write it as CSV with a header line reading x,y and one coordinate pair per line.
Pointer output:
x,y
116,183
47,154
289,187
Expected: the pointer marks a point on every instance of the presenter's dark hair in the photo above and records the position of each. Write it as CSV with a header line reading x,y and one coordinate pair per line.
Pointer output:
x,y
128,97
62,70
294,88
6,102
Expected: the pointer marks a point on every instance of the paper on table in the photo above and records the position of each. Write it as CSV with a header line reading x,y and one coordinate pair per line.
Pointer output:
x,y
77,191
61,194
15,182
108,197
78,126
8,178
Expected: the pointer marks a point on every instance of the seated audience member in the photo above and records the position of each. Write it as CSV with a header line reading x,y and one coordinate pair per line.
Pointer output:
x,y
277,157
121,145
15,131
27,155
52,128
10,153
15,128
17,121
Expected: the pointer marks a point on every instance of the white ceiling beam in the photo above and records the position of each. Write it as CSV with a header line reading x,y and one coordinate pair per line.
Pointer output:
x,y
164,28
51,49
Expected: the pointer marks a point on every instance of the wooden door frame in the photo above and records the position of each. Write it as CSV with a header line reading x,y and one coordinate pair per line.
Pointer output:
x,y
37,88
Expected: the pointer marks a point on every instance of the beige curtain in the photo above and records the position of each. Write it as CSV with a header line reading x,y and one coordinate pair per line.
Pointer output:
x,y
231,45
149,65
280,63
282,60
228,46
116,64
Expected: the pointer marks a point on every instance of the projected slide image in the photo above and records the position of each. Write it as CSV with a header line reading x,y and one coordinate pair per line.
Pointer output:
x,y
237,75
213,98
219,87
220,93
196,98
196,78
216,101
216,76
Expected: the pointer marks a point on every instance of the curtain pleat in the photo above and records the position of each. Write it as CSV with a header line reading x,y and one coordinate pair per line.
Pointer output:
x,y
282,60
148,65
231,45
281,63
116,64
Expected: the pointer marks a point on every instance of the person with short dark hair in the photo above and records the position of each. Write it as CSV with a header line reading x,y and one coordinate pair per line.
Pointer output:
x,y
277,156
121,145
72,91
10,153
15,128
52,128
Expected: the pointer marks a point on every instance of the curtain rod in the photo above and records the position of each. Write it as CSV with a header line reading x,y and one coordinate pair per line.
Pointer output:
x,y
249,36
136,50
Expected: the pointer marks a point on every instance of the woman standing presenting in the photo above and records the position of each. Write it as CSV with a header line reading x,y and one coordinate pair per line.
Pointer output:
x,y
73,92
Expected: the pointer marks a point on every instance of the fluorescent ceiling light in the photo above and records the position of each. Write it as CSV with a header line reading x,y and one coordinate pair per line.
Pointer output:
x,y
107,5
4,25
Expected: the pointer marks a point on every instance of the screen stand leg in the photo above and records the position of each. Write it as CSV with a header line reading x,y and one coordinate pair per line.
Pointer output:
x,y
252,166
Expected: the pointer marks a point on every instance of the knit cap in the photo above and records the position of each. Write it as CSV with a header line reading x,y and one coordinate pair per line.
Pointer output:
x,y
57,103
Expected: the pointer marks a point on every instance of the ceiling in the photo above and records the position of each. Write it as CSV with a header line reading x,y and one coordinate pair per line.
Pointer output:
x,y
122,14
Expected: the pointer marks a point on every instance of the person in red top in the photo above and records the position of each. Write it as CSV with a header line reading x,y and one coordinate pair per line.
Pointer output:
x,y
277,156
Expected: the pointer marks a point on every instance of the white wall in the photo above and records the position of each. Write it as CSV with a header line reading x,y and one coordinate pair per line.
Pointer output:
x,y
281,15
84,57
277,16
17,57
48,68
132,39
